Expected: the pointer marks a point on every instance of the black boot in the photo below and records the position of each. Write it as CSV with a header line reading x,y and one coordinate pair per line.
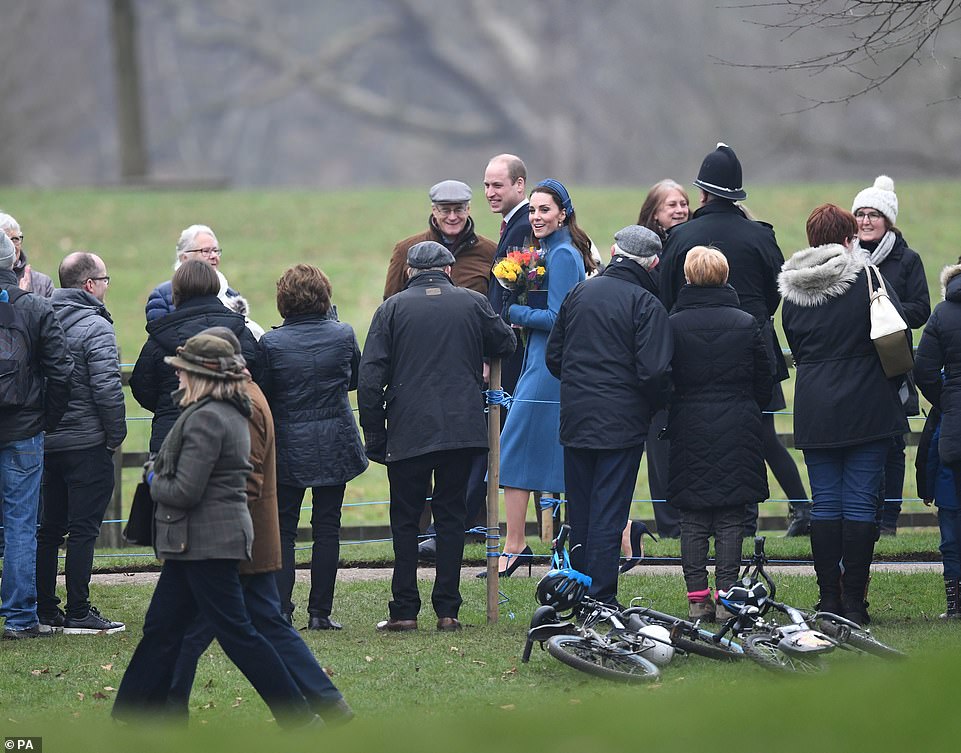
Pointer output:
x,y
951,588
800,516
826,546
859,538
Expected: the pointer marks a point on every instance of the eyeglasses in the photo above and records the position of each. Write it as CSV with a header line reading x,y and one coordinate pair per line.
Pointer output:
x,y
208,252
105,278
873,216
458,209
16,238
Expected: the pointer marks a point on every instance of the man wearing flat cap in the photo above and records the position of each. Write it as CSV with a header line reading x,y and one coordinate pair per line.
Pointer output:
x,y
612,333
420,396
755,261
451,226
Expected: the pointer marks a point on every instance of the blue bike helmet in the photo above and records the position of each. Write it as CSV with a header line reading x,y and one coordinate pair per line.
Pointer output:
x,y
744,594
563,588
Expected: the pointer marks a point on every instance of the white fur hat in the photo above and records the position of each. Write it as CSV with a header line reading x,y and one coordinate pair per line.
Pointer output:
x,y
880,196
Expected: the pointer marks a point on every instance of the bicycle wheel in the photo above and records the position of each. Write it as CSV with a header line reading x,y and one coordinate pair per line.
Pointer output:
x,y
595,658
763,649
705,645
859,639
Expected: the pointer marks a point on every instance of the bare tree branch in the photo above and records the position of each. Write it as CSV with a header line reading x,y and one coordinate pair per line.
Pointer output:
x,y
880,39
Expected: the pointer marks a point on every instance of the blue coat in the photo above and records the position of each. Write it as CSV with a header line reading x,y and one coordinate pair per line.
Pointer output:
x,y
531,453
309,365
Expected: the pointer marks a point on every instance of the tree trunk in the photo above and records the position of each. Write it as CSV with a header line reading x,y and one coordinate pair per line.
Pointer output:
x,y
130,129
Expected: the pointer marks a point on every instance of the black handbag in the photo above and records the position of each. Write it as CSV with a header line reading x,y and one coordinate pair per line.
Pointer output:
x,y
139,529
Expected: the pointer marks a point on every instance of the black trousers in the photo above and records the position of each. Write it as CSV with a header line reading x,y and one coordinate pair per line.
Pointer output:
x,y
666,517
263,605
408,479
600,485
77,488
325,555
210,588
726,524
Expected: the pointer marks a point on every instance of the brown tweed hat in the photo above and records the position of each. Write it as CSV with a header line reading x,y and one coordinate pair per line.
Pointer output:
x,y
210,356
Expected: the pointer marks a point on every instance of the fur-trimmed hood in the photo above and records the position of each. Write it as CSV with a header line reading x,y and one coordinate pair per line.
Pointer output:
x,y
947,274
813,275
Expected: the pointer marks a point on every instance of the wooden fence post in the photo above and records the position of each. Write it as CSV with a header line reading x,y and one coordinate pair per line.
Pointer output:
x,y
493,496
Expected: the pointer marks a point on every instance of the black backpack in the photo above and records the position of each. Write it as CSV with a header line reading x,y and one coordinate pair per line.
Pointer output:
x,y
14,351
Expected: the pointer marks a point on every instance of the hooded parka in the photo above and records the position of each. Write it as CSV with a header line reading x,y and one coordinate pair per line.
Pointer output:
x,y
842,397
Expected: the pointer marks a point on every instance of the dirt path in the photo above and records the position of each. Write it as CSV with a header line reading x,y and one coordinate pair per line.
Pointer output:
x,y
358,574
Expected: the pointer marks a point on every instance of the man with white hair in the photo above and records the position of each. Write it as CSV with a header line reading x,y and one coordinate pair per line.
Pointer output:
x,y
27,278
199,242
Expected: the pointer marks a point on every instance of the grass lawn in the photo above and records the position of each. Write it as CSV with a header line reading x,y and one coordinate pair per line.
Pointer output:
x,y
427,691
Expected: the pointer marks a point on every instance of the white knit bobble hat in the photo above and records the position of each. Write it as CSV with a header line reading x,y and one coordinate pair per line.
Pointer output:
x,y
880,196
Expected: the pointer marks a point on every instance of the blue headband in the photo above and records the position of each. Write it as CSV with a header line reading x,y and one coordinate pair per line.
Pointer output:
x,y
556,185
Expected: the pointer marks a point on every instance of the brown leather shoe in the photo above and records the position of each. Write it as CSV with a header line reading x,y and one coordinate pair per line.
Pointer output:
x,y
448,624
397,626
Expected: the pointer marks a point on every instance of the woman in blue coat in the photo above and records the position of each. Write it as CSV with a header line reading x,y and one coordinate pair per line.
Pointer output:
x,y
310,364
531,454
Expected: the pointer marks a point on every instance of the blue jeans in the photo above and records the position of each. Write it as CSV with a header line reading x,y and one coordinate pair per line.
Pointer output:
x,y
263,604
21,469
949,521
846,481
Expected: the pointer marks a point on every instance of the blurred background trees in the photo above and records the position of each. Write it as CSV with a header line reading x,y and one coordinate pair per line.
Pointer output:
x,y
406,92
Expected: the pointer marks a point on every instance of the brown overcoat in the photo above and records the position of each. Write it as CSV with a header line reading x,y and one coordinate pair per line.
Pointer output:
x,y
473,259
262,487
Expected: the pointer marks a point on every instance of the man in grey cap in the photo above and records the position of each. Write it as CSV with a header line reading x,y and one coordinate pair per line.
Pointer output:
x,y
422,411
450,225
755,260
612,333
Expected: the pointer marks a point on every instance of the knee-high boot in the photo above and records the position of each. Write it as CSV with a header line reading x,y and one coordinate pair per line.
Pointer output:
x,y
826,546
859,538
952,586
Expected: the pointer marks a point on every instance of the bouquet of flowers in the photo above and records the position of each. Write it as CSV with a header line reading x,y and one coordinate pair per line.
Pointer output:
x,y
521,271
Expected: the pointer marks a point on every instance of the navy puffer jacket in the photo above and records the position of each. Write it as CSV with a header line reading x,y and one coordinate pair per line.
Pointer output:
x,y
940,348
310,364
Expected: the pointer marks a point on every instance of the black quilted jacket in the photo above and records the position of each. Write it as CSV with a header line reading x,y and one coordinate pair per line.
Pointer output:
x,y
722,377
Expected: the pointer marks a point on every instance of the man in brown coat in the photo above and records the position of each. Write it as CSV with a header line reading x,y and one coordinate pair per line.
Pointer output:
x,y
451,225
257,576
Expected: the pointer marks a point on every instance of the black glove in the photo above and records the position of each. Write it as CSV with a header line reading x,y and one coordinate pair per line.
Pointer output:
x,y
376,446
509,300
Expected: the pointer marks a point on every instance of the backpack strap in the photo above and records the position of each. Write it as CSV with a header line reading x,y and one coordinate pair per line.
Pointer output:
x,y
14,293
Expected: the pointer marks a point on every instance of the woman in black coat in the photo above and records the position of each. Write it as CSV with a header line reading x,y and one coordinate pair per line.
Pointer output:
x,y
722,379
195,286
310,364
937,369
846,410
876,210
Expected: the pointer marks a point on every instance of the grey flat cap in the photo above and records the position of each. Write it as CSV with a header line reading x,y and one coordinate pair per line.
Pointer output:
x,y
450,192
428,254
637,240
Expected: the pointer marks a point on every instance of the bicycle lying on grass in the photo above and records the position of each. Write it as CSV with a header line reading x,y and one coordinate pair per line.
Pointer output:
x,y
630,645
798,644
615,653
